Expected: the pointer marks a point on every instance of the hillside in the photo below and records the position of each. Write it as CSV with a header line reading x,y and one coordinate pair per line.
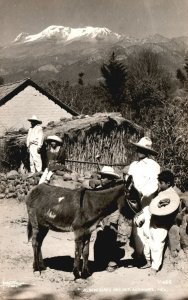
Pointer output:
x,y
62,52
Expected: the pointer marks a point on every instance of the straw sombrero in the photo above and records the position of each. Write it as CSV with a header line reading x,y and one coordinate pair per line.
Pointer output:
x,y
54,138
146,144
35,119
164,206
106,170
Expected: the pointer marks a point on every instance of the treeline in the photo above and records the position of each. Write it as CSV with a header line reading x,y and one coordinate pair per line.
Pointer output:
x,y
145,91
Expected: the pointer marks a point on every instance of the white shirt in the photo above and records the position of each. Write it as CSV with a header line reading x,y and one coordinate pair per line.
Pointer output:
x,y
145,175
35,136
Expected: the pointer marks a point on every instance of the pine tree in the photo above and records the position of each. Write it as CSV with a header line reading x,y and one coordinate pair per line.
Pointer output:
x,y
80,78
186,66
1,80
114,79
181,77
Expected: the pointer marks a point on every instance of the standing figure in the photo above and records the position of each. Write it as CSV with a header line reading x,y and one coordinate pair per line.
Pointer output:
x,y
55,157
163,209
107,252
35,139
144,173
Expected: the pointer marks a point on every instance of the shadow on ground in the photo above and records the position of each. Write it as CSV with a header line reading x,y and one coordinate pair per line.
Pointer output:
x,y
139,296
60,263
24,292
66,263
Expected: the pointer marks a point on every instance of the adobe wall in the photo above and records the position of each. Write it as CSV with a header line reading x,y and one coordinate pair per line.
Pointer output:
x,y
15,112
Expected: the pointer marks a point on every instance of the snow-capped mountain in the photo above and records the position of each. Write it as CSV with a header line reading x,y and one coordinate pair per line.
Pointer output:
x,y
64,34
61,53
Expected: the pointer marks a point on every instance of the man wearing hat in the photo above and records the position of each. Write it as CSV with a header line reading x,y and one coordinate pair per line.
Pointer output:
x,y
107,251
55,157
108,178
144,173
163,209
35,139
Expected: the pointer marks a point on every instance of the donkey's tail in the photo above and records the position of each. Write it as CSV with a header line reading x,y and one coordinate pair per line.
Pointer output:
x,y
29,230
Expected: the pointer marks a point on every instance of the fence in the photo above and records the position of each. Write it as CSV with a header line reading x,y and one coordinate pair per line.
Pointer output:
x,y
113,147
83,166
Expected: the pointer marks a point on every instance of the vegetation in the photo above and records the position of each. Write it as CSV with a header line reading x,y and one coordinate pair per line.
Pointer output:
x,y
114,81
182,75
1,80
144,91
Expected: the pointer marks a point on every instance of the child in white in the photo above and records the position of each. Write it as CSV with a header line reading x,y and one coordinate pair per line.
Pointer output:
x,y
163,209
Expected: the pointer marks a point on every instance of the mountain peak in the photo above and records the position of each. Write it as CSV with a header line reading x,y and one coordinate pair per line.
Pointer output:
x,y
61,33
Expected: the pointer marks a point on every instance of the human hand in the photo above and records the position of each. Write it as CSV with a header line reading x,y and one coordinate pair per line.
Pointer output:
x,y
139,219
163,202
126,170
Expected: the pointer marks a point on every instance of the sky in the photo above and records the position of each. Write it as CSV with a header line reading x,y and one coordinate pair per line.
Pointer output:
x,y
136,18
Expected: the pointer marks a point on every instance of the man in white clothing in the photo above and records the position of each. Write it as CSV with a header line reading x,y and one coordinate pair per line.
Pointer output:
x,y
144,172
35,139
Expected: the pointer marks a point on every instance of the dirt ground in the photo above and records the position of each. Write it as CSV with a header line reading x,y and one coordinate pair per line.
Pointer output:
x,y
17,280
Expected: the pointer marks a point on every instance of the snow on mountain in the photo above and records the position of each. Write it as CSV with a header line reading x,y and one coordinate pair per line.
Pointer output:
x,y
21,37
61,33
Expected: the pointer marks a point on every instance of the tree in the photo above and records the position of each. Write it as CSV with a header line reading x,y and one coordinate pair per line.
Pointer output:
x,y
186,66
1,80
170,137
181,77
85,99
114,80
149,84
80,79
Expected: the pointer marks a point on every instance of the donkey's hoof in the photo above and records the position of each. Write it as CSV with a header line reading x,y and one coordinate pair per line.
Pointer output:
x,y
37,268
42,268
76,274
85,274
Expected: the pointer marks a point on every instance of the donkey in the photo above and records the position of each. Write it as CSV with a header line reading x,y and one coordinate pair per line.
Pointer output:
x,y
61,209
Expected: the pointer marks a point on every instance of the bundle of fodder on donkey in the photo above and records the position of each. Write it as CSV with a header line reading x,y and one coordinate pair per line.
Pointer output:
x,y
84,137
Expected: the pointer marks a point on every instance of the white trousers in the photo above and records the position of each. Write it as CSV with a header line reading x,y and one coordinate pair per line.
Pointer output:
x,y
45,176
35,159
157,243
150,241
142,240
142,235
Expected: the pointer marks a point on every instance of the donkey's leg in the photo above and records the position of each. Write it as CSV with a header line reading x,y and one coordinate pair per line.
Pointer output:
x,y
85,254
78,252
35,249
39,234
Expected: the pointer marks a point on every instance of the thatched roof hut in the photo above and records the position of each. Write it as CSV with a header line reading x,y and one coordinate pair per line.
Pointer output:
x,y
85,137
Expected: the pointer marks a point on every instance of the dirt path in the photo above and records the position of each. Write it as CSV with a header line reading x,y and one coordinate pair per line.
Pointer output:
x,y
17,281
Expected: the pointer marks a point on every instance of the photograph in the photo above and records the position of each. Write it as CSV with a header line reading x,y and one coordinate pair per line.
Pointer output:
x,y
94,150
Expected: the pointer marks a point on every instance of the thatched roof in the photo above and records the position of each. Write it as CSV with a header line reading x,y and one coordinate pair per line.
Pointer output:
x,y
79,127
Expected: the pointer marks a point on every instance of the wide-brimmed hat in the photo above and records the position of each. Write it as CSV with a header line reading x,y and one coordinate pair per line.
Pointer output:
x,y
146,144
35,119
107,170
54,138
164,206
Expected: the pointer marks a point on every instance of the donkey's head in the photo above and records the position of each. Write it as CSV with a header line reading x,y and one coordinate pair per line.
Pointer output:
x,y
132,201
